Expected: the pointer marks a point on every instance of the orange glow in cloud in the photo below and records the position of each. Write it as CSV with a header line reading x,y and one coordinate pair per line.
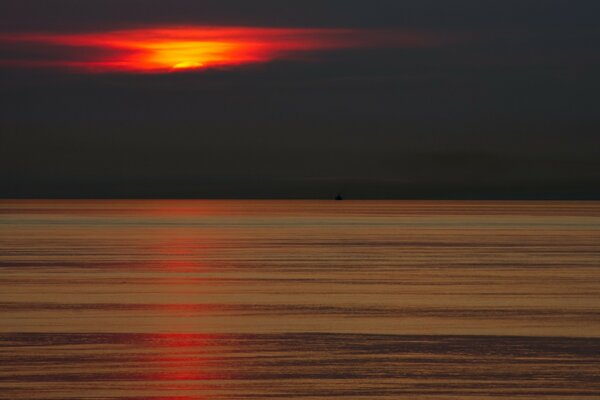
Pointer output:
x,y
187,48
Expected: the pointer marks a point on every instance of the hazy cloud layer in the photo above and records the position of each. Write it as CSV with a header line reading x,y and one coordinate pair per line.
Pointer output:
x,y
507,107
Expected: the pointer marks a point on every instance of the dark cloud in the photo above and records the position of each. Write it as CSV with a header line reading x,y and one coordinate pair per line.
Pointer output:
x,y
461,14
509,110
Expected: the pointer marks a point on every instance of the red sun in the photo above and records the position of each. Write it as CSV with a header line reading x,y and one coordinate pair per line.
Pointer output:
x,y
169,49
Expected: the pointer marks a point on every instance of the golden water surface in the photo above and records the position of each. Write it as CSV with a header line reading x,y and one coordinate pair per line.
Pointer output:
x,y
182,300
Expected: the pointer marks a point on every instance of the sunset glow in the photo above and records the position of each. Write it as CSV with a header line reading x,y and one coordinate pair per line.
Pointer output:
x,y
187,48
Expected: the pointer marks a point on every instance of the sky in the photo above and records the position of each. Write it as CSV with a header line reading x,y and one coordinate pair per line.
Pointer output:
x,y
300,99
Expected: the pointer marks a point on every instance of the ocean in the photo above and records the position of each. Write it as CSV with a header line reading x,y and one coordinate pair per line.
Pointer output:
x,y
199,299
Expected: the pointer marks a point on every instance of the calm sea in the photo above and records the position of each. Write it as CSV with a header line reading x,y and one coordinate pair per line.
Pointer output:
x,y
185,300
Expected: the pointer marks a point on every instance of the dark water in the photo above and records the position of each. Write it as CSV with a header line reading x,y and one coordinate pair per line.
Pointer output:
x,y
299,300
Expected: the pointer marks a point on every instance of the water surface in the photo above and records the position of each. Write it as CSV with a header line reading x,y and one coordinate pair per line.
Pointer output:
x,y
299,300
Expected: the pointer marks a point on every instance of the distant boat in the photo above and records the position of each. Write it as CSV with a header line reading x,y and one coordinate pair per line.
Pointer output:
x,y
339,197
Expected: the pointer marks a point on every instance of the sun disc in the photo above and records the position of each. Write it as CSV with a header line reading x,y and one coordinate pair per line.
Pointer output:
x,y
188,65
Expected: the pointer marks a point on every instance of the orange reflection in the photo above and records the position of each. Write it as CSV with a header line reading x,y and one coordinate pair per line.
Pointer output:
x,y
178,252
183,364
188,48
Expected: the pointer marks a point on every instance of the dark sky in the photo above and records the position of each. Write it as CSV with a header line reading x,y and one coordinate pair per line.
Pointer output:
x,y
505,105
